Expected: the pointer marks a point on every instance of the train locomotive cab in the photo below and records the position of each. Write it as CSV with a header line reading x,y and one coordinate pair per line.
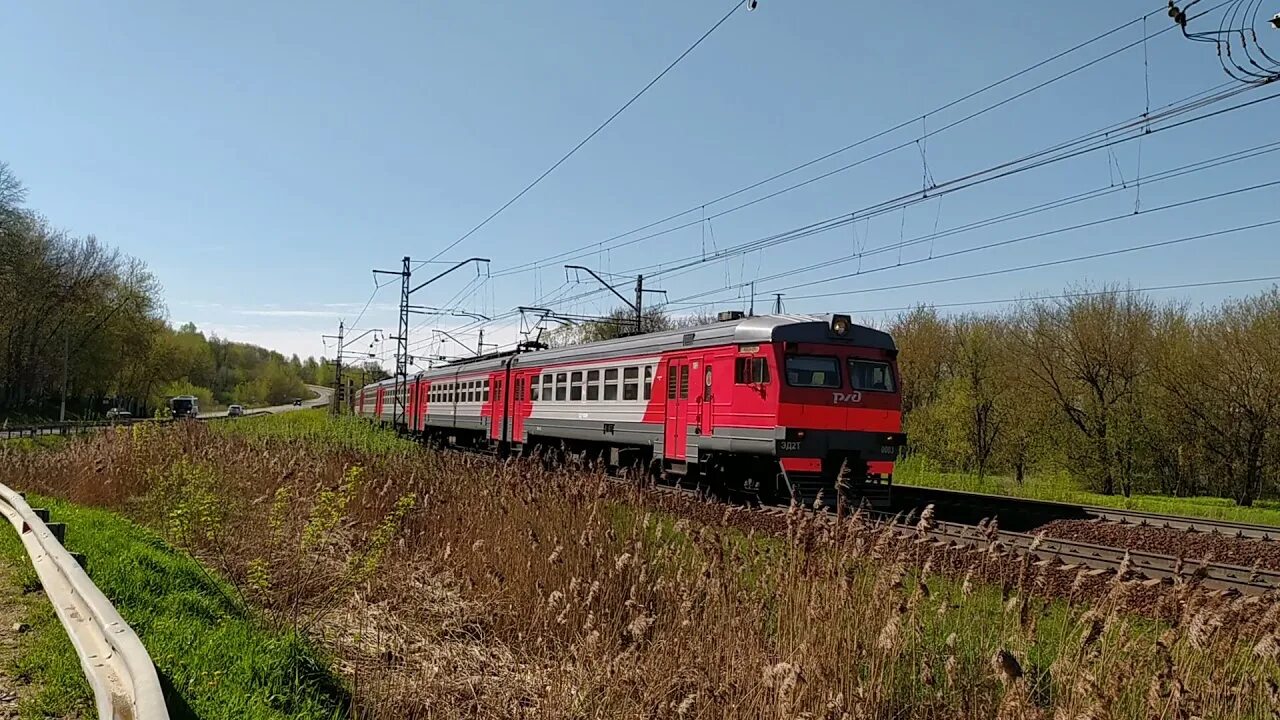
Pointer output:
x,y
839,413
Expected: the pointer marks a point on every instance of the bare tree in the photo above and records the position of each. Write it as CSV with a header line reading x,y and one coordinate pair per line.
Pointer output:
x,y
1225,375
1093,353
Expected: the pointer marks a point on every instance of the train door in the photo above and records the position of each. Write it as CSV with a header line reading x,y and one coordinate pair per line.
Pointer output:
x,y
702,375
497,410
419,405
677,416
518,408
377,410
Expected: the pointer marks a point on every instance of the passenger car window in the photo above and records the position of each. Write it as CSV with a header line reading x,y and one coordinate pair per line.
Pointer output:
x,y
562,386
631,383
611,384
648,381
534,389
813,371
870,375
575,390
593,384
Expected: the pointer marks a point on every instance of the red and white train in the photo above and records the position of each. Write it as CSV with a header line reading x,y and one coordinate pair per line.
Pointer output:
x,y
772,405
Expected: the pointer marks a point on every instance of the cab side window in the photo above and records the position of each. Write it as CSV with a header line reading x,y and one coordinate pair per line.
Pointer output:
x,y
749,370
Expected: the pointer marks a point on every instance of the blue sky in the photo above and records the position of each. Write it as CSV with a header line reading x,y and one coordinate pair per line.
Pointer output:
x,y
263,158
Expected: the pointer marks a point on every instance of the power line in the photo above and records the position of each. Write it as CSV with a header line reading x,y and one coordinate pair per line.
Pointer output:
x,y
592,247
998,243
1089,142
1047,263
1006,242
737,4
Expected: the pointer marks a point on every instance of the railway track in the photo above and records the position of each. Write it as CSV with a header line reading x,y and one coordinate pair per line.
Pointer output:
x,y
1060,554
1025,513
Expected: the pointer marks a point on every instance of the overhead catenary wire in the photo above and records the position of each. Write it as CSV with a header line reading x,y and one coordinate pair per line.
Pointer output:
x,y
1091,142
610,242
737,4
1038,265
1102,139
998,243
1008,241
1099,140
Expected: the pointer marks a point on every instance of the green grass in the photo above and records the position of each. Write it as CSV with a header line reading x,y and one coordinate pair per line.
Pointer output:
x,y
315,425
1061,488
39,442
214,659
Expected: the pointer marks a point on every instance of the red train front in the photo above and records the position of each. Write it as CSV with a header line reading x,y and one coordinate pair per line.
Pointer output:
x,y
773,405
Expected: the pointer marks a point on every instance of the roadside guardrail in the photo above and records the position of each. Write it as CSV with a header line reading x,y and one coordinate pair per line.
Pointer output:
x,y
117,666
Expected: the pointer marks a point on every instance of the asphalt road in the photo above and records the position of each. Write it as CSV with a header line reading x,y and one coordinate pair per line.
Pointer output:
x,y
323,400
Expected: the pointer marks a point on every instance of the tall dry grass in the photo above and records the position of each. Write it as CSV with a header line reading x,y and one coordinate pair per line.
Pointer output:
x,y
449,586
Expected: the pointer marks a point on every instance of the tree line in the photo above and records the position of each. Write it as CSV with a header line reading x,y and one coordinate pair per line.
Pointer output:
x,y
82,315
1125,394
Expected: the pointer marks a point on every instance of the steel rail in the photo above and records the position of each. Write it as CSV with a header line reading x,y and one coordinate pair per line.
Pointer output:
x,y
942,498
1071,555
1187,524
117,666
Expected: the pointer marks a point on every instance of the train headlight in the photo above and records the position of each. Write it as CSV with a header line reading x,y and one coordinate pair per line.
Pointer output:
x,y
840,324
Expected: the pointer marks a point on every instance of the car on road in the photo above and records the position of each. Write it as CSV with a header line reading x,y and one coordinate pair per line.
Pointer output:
x,y
297,402
235,411
118,414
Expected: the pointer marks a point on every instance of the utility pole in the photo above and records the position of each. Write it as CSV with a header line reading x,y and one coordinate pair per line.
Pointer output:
x,y
639,304
777,303
402,340
337,369
341,393
751,312
66,360
636,307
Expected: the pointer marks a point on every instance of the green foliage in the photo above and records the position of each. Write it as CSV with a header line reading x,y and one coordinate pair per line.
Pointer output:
x,y
1059,486
216,660
329,509
186,495
315,426
80,300
364,565
1122,395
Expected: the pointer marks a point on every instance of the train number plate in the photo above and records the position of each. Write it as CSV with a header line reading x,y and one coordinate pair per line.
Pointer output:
x,y
789,445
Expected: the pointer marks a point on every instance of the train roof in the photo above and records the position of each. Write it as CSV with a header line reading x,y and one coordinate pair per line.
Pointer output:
x,y
742,331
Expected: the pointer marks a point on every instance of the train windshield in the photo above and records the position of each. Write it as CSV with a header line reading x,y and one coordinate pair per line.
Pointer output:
x,y
870,375
813,371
